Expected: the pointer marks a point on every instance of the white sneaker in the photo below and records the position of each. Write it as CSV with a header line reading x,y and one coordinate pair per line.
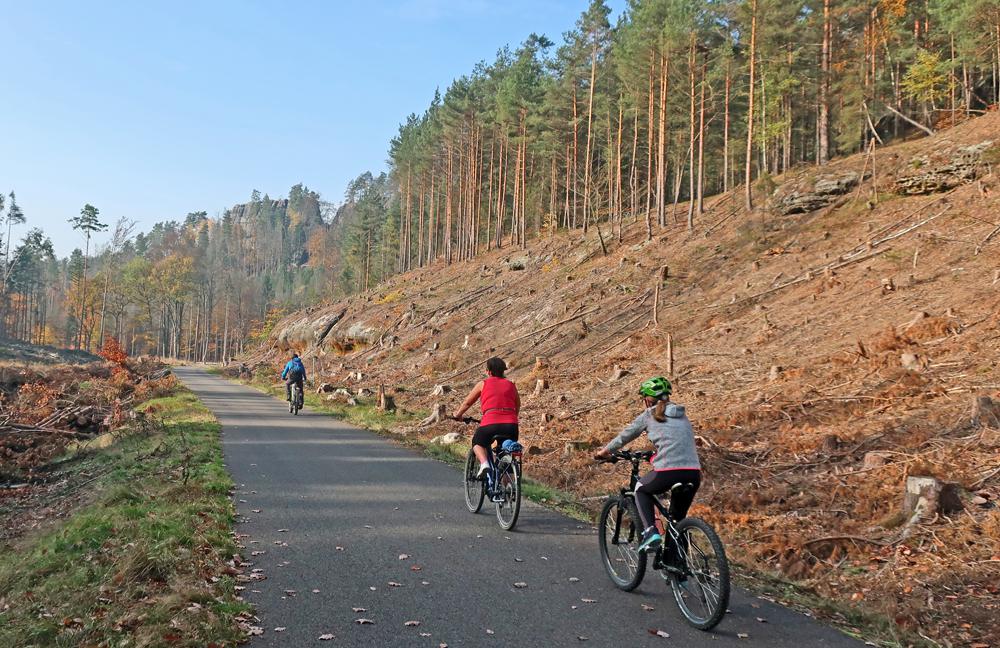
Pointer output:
x,y
483,468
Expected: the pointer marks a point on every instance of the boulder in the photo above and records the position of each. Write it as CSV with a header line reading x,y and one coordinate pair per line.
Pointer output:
x,y
447,439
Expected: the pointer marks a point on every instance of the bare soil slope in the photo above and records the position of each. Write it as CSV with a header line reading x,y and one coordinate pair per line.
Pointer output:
x,y
824,356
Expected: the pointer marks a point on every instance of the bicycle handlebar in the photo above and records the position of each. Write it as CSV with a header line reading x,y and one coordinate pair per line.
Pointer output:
x,y
628,455
465,419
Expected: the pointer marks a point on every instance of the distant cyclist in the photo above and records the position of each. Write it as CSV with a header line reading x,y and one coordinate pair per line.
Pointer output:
x,y
294,374
500,404
675,461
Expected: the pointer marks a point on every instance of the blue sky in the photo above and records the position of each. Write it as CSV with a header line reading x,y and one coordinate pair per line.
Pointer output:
x,y
151,110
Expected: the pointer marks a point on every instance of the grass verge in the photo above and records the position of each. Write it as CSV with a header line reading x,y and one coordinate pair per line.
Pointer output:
x,y
146,563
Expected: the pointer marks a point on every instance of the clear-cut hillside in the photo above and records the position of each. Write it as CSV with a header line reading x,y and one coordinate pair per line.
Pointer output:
x,y
827,348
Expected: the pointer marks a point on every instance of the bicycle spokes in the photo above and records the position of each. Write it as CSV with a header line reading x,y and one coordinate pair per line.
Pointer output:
x,y
700,580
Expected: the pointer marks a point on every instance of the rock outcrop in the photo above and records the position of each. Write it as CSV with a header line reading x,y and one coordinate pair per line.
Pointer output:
x,y
824,191
937,172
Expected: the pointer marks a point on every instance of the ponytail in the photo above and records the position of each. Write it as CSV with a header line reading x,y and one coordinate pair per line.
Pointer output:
x,y
660,412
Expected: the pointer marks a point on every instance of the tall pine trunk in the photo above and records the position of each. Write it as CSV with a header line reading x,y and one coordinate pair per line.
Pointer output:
x,y
752,55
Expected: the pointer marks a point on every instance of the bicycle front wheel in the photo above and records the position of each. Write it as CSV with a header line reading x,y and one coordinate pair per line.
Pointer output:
x,y
619,534
508,490
701,583
474,491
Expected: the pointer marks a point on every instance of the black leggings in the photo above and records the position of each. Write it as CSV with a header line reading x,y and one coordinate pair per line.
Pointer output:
x,y
486,434
659,482
292,381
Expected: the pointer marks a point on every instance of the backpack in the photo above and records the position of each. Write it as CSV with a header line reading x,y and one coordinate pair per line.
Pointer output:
x,y
296,372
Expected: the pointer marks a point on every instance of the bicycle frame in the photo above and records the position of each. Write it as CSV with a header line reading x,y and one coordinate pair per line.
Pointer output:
x,y
492,475
669,528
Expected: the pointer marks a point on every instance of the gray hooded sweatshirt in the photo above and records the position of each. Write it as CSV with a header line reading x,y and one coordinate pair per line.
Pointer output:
x,y
674,439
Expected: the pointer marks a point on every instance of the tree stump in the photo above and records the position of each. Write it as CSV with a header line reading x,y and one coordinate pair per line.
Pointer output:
x,y
385,403
876,459
440,390
540,385
618,374
325,388
576,446
986,412
437,415
927,496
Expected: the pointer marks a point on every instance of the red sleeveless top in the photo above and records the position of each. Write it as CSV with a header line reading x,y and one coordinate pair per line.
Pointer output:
x,y
498,401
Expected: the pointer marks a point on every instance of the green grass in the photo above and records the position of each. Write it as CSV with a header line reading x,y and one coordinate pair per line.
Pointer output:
x,y
129,568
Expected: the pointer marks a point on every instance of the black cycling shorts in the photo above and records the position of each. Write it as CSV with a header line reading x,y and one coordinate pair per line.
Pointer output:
x,y
486,434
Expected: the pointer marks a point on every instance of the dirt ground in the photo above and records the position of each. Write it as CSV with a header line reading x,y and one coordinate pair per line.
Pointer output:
x,y
823,357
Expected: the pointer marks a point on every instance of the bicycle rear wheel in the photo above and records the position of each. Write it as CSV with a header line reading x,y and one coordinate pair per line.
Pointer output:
x,y
702,593
474,487
508,488
619,533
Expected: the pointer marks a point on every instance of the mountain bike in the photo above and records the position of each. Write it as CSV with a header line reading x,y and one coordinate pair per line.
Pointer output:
x,y
502,482
296,403
690,558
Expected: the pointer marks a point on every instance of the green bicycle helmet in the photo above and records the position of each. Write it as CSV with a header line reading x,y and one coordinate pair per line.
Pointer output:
x,y
658,388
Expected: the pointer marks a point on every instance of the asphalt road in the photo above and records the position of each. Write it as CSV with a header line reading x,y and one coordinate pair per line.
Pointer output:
x,y
347,519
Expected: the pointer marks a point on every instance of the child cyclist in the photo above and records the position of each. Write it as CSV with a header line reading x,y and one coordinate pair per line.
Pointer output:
x,y
675,461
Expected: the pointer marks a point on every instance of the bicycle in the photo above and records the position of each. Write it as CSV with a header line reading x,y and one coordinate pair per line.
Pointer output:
x,y
502,482
691,556
296,403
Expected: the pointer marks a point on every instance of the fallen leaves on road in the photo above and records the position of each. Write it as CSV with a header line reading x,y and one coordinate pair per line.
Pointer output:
x,y
280,629
520,585
659,633
412,624
364,622
359,610
404,556
648,608
325,637
588,600
395,584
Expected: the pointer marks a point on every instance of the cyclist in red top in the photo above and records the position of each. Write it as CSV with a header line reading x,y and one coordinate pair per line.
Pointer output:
x,y
500,403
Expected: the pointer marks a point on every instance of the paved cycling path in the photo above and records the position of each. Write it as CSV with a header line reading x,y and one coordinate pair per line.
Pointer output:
x,y
336,509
